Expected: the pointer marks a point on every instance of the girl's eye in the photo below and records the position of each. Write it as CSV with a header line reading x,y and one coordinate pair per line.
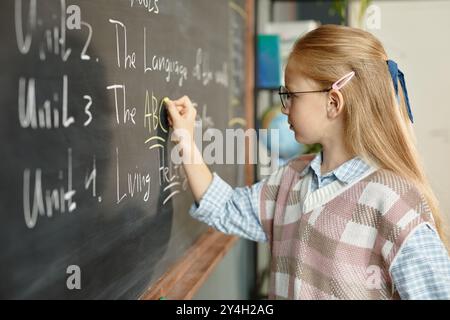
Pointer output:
x,y
291,96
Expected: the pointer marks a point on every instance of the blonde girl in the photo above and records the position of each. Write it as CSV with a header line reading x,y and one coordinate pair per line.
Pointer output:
x,y
357,220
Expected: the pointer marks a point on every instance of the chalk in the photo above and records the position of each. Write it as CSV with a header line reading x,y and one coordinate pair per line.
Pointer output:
x,y
166,100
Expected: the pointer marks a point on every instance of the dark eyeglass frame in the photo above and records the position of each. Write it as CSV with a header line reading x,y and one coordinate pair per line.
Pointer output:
x,y
336,86
281,93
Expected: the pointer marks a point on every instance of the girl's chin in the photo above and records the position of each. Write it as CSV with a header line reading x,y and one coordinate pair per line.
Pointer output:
x,y
300,139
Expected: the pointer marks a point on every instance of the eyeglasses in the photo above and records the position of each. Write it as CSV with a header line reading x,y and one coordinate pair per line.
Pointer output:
x,y
286,95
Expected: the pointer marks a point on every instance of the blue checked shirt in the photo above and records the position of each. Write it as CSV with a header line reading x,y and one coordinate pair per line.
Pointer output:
x,y
420,271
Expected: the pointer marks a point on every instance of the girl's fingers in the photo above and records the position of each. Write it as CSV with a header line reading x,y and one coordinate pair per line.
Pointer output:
x,y
173,110
182,110
183,100
183,107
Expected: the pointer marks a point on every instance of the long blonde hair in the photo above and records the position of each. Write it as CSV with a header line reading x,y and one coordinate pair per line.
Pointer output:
x,y
377,128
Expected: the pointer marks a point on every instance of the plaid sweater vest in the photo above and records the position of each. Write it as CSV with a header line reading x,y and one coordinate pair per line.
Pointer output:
x,y
342,248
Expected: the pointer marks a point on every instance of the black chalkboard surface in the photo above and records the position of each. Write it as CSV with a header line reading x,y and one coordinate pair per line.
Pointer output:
x,y
87,184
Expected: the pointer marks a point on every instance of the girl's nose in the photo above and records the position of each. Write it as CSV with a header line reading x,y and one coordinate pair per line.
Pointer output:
x,y
285,111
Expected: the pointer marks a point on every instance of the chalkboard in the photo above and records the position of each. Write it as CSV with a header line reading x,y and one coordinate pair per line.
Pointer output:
x,y
91,206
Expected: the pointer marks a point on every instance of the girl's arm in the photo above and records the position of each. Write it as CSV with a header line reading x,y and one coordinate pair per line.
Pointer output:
x,y
422,269
182,118
231,211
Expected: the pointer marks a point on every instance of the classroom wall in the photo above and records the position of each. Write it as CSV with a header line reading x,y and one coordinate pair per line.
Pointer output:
x,y
415,35
234,277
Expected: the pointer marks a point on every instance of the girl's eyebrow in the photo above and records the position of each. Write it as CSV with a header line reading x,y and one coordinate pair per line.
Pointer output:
x,y
287,85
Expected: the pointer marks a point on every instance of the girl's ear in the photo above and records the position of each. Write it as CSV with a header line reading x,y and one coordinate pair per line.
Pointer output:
x,y
335,104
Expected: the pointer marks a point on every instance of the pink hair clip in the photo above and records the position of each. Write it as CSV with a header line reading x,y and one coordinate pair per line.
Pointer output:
x,y
343,81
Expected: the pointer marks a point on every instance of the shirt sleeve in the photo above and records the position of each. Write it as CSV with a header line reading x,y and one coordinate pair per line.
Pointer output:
x,y
422,269
231,211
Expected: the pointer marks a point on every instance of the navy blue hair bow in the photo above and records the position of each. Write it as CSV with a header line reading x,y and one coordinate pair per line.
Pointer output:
x,y
397,74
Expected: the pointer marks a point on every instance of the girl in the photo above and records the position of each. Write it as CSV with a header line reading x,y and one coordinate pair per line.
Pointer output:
x,y
357,220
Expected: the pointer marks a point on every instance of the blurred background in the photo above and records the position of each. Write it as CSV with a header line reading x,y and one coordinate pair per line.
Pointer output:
x,y
415,34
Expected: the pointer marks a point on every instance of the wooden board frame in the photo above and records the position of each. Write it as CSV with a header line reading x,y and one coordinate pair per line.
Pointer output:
x,y
187,276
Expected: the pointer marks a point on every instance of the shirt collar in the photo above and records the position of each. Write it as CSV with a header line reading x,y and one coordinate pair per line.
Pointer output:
x,y
346,172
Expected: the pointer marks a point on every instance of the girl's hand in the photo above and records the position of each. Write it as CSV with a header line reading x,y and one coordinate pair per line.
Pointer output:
x,y
181,118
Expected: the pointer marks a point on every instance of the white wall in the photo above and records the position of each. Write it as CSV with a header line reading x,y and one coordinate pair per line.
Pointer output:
x,y
416,35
